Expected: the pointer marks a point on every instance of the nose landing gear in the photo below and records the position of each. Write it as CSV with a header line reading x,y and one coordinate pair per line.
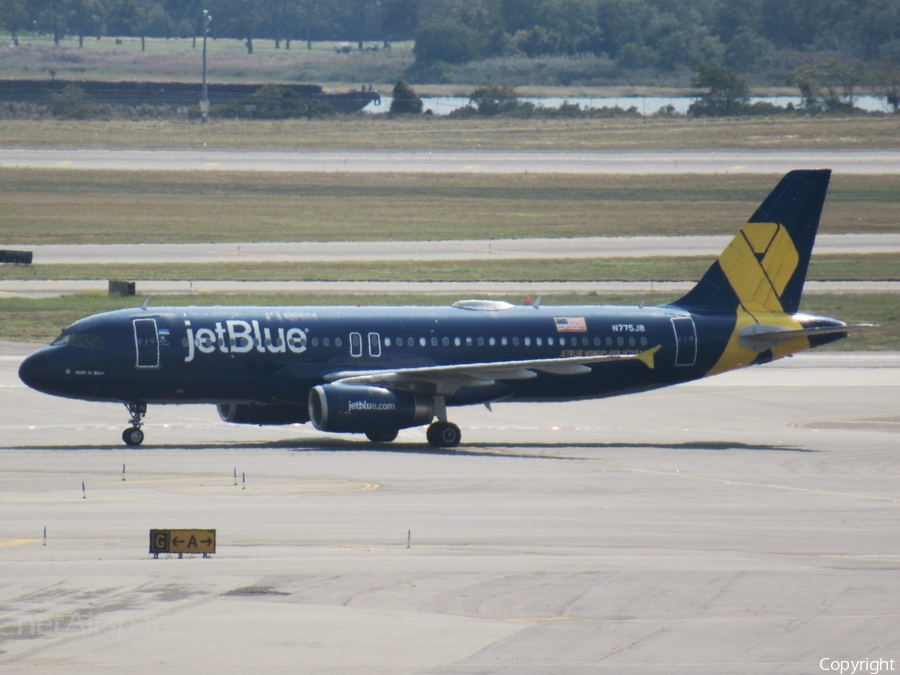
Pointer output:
x,y
133,435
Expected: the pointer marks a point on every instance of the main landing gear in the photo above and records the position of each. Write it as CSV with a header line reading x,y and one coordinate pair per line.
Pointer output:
x,y
133,435
443,435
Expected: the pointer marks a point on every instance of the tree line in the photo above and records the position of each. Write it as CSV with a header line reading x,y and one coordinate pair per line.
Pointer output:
x,y
283,21
635,33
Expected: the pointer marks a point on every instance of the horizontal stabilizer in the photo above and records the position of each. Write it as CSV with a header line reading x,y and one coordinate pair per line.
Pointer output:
x,y
760,337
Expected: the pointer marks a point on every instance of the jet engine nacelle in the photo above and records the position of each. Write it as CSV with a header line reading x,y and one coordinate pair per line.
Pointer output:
x,y
252,413
357,409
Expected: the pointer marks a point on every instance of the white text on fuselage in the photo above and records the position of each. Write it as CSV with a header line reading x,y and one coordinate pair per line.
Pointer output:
x,y
241,337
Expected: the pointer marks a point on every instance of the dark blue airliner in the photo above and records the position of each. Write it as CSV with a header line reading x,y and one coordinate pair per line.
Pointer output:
x,y
375,370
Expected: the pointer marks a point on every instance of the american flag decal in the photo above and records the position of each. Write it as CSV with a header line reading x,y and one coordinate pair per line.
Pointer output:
x,y
570,324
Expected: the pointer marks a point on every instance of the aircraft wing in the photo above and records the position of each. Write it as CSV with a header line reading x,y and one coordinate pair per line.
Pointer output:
x,y
445,380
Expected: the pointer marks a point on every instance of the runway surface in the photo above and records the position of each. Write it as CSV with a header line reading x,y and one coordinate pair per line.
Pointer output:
x,y
37,288
485,249
474,161
743,524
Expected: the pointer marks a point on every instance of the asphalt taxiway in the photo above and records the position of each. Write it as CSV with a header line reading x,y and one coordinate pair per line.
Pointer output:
x,y
743,524
461,161
462,249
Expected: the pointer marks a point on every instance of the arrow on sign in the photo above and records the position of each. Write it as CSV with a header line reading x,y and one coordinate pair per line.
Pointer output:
x,y
176,541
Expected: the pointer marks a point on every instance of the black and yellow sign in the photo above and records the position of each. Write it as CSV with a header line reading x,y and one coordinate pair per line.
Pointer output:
x,y
182,541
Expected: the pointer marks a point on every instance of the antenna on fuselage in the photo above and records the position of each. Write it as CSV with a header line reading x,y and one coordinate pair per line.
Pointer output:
x,y
145,303
537,303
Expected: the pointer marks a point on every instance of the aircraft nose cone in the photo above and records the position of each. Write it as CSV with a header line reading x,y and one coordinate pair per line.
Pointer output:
x,y
35,371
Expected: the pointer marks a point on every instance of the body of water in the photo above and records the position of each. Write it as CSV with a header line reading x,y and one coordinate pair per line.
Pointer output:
x,y
645,105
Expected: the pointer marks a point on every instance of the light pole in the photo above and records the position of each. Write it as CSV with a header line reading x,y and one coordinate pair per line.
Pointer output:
x,y
204,99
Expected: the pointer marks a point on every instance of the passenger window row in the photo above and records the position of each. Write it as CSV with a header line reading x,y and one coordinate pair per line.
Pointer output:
x,y
445,341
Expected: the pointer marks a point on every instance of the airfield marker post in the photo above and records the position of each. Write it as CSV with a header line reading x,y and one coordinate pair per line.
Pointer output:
x,y
204,99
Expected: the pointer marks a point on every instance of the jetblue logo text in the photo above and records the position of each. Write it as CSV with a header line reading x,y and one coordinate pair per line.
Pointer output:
x,y
241,337
366,405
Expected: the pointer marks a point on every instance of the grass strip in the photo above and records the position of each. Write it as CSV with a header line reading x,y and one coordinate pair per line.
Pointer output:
x,y
367,132
41,320
54,206
873,267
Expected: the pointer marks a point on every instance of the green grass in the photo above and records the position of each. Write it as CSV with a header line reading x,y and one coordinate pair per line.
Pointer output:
x,y
175,60
53,206
823,267
30,320
368,132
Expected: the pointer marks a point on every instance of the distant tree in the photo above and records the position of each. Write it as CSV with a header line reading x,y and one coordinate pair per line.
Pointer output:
x,y
727,93
405,100
136,17
242,18
840,81
53,18
13,17
745,48
885,79
283,17
807,80
831,87
400,19
85,18
492,99
445,40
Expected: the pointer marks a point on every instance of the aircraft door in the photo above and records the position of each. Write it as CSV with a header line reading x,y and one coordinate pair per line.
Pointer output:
x,y
146,341
374,344
685,341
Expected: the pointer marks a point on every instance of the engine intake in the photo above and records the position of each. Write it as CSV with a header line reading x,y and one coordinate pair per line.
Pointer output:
x,y
357,409
254,413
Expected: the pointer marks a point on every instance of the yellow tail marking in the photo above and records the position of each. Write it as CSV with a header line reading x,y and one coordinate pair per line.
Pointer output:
x,y
736,356
760,283
759,263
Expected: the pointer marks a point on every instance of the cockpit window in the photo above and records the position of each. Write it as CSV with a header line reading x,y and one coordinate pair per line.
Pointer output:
x,y
83,340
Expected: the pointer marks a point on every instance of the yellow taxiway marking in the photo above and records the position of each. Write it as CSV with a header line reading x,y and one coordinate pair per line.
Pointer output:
x,y
15,542
169,480
210,164
65,162
472,166
771,486
318,487
886,421
705,619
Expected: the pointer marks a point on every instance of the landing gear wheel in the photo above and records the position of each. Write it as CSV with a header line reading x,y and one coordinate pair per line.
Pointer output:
x,y
443,435
381,435
133,436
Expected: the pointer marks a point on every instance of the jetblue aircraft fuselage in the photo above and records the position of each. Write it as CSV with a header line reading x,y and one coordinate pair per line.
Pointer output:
x,y
376,370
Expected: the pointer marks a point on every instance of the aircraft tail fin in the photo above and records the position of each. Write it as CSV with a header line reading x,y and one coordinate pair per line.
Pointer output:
x,y
764,267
